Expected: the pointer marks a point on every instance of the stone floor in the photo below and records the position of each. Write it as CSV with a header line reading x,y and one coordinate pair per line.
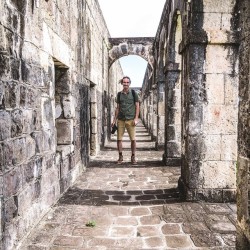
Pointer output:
x,y
132,207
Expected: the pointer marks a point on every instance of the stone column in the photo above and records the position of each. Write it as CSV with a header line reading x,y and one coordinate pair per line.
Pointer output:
x,y
154,112
160,139
243,160
172,154
93,118
210,89
150,112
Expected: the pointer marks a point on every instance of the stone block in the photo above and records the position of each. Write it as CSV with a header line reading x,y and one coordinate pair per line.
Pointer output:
x,y
27,115
4,65
231,90
38,164
223,6
213,147
12,182
208,195
49,140
30,146
195,119
12,95
5,125
222,36
94,126
38,138
3,40
215,88
7,148
19,150
11,209
58,107
212,21
161,108
178,132
32,98
217,60
179,241
37,189
54,45
229,148
47,113
27,172
150,220
65,150
25,71
17,123
64,129
48,161
170,133
171,229
36,118
25,199
93,110
93,96
68,107
64,184
49,194
15,68
226,21
219,174
220,119
64,167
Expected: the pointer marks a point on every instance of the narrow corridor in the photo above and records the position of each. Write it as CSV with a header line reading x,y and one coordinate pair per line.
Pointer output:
x,y
132,207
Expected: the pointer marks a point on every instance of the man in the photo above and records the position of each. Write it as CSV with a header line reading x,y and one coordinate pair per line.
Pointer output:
x,y
127,113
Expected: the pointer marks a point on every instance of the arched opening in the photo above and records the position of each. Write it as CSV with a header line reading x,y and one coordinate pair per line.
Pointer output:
x,y
133,66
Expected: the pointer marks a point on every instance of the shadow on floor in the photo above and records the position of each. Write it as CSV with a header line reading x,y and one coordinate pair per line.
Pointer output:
x,y
91,197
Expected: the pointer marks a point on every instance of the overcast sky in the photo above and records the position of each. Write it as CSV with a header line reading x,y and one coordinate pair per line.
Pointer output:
x,y
132,18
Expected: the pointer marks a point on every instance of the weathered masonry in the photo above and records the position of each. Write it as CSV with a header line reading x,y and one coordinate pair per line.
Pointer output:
x,y
59,71
198,96
55,86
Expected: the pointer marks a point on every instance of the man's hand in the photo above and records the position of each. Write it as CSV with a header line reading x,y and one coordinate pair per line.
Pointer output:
x,y
135,121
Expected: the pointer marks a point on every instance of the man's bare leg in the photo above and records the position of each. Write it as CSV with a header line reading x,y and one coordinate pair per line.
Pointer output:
x,y
133,146
119,147
133,149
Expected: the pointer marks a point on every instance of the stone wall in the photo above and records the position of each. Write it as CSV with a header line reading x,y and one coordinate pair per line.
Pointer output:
x,y
52,55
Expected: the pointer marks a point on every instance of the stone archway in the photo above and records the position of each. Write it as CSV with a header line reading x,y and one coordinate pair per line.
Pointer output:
x,y
141,46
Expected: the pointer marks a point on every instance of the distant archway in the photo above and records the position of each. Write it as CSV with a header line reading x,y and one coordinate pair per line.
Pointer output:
x,y
141,46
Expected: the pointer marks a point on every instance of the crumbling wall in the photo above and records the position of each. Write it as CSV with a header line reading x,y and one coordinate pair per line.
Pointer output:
x,y
51,53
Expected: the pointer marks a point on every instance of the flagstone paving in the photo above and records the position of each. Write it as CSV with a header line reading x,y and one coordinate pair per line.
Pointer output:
x,y
132,207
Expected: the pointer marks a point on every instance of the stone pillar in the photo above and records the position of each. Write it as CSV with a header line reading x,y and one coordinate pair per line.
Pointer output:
x,y
149,113
160,139
243,161
93,120
154,113
210,89
172,154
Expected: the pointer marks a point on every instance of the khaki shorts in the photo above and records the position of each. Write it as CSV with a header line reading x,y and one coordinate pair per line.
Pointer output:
x,y
130,127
